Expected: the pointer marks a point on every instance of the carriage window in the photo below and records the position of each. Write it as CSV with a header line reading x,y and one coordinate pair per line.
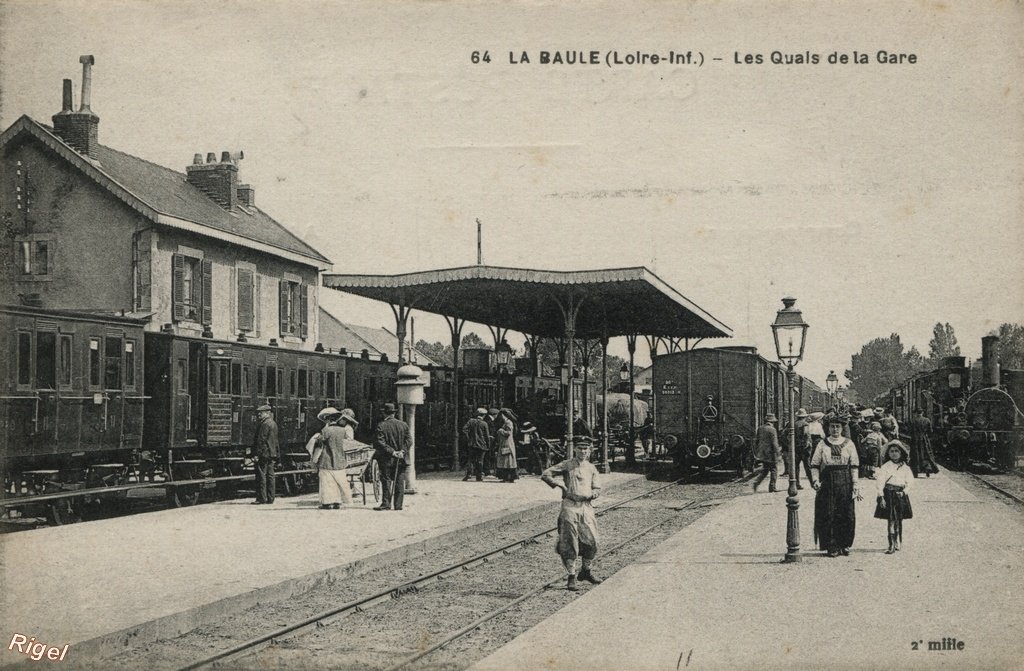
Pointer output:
x,y
94,362
271,381
246,379
315,390
293,379
112,369
279,387
65,360
129,364
46,360
261,380
24,358
329,383
181,374
303,390
219,379
236,378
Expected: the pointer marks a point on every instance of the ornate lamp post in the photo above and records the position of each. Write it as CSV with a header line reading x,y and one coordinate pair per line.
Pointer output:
x,y
502,355
832,384
790,333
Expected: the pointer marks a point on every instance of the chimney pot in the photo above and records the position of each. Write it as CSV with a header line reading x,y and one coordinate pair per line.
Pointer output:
x,y
197,159
225,157
67,105
211,157
87,63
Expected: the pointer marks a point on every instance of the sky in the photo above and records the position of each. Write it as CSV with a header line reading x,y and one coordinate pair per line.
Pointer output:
x,y
885,197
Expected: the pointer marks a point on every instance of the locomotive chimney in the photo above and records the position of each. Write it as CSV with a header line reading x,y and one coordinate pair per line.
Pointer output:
x,y
990,361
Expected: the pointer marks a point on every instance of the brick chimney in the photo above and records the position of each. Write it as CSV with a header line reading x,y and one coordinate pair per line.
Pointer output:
x,y
246,195
79,129
218,180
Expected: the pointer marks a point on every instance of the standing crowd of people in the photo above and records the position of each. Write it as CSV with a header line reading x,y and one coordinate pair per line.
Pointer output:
x,y
837,451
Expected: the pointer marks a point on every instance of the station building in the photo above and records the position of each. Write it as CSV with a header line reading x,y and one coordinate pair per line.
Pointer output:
x,y
85,226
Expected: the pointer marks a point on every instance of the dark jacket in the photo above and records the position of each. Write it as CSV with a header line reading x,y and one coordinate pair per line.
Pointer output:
x,y
477,434
766,444
392,435
265,443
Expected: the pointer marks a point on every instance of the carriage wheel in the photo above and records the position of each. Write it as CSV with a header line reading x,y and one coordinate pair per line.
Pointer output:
x,y
182,497
62,511
378,492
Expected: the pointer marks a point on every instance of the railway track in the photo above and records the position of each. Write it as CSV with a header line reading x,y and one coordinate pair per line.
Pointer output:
x,y
1003,483
490,600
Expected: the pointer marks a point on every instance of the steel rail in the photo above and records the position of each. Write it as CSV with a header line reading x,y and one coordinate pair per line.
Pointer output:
x,y
528,595
314,621
995,487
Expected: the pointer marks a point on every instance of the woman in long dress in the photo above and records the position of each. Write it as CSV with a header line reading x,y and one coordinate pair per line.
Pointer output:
x,y
328,455
834,476
894,479
507,464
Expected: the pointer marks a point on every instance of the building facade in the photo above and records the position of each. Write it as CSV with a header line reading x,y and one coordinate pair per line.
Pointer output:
x,y
87,227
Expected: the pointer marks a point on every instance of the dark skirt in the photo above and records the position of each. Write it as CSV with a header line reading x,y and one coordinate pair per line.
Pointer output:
x,y
897,505
835,518
921,456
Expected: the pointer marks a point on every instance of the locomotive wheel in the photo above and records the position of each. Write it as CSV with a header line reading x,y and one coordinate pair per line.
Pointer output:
x,y
61,512
182,497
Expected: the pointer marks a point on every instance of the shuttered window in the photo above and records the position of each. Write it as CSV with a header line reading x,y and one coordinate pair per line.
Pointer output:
x,y
294,308
246,302
192,289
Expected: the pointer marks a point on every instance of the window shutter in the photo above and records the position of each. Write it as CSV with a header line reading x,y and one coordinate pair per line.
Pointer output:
x,y
245,307
257,298
304,310
283,307
207,298
177,287
145,296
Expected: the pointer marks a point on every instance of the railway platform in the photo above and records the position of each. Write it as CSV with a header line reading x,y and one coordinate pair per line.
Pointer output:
x,y
97,585
714,596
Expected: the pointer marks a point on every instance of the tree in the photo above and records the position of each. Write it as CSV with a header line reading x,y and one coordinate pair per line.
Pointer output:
x,y
881,365
471,339
1011,346
943,342
439,352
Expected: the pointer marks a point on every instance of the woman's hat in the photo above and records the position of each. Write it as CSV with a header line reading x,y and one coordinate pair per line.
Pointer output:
x,y
329,414
349,416
837,419
801,413
528,426
815,416
879,411
896,443
876,426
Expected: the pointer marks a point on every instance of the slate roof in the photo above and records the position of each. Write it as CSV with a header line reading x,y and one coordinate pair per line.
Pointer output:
x,y
155,190
335,334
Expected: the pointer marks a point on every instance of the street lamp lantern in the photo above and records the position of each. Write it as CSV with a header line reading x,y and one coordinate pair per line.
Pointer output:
x,y
503,354
624,373
832,382
790,333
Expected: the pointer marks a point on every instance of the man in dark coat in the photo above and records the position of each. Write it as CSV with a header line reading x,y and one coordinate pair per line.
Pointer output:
x,y
766,451
391,450
476,436
264,450
921,458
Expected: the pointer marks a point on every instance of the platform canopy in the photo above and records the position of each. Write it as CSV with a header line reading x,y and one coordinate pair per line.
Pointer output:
x,y
605,303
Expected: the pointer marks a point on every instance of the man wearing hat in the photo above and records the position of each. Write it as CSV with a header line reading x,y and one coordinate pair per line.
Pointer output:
x,y
577,525
329,457
803,447
922,460
264,450
767,451
476,436
391,450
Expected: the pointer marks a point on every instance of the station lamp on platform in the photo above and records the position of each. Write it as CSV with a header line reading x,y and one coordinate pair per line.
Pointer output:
x,y
832,385
790,333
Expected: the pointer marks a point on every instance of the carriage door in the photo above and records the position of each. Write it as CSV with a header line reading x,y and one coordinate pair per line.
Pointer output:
x,y
196,390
